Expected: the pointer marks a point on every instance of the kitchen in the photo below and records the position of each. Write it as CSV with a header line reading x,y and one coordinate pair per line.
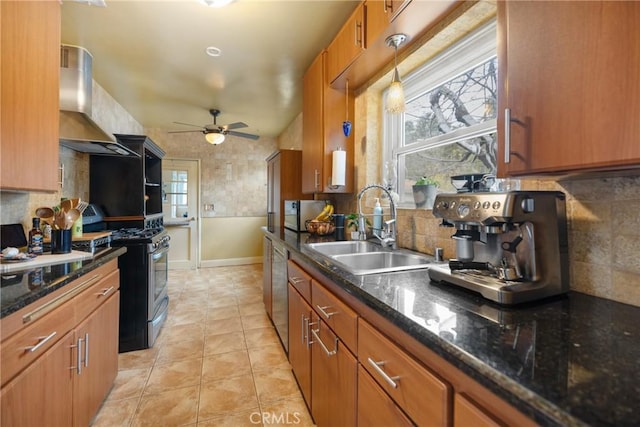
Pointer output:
x,y
602,257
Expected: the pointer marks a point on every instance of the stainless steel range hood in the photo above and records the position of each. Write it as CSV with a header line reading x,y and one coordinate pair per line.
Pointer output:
x,y
77,130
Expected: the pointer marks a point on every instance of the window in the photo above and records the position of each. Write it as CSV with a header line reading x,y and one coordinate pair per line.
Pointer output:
x,y
175,193
449,126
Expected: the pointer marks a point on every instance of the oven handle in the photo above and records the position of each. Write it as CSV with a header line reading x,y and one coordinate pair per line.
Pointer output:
x,y
158,253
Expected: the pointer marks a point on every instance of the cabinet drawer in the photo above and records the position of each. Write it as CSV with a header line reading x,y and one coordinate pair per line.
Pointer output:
x,y
299,279
21,349
340,318
423,396
106,284
375,407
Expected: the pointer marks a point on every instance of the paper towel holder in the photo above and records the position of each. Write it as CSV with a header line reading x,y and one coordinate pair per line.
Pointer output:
x,y
338,169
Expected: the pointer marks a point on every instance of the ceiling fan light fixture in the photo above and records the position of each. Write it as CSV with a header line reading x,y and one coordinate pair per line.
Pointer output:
x,y
214,138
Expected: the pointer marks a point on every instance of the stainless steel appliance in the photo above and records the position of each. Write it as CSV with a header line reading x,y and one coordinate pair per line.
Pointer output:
x,y
511,247
144,299
77,130
297,212
279,295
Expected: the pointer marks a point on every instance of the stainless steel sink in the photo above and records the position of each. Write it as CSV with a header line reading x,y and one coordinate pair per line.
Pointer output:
x,y
361,257
382,262
341,248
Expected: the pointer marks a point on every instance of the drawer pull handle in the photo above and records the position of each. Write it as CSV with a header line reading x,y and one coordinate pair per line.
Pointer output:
x,y
41,342
79,356
86,350
377,366
51,305
323,311
295,280
324,347
104,292
303,330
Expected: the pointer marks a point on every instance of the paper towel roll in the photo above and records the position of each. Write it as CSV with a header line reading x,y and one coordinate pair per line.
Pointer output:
x,y
339,168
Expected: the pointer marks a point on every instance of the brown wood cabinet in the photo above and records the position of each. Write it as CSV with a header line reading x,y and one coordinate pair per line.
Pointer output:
x,y
30,44
348,44
379,14
468,413
387,378
284,176
375,407
423,396
300,342
62,353
43,392
569,77
99,359
333,377
323,111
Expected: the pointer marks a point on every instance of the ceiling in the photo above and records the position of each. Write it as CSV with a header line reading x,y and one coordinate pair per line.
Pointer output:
x,y
150,57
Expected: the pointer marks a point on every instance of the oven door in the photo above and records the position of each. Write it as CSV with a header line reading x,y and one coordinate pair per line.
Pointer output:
x,y
158,272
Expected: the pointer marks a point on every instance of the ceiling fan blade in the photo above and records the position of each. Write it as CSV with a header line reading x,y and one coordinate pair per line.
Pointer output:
x,y
184,131
236,125
187,124
242,134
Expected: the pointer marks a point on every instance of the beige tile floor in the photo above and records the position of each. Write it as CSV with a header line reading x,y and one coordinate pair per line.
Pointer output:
x,y
217,361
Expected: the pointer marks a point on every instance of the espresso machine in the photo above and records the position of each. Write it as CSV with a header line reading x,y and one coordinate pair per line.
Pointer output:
x,y
511,247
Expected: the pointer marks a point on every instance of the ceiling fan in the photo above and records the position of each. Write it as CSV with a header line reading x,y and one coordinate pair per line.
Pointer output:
x,y
215,134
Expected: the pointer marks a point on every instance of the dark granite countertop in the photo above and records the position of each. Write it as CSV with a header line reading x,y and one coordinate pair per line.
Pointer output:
x,y
570,360
22,287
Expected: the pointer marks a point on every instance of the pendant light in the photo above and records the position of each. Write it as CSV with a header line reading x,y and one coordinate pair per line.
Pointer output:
x,y
395,93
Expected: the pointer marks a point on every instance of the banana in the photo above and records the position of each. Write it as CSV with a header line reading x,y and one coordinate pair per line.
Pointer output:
x,y
326,213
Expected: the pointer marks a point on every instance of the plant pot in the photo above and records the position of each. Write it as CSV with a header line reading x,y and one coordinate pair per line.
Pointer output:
x,y
424,196
355,235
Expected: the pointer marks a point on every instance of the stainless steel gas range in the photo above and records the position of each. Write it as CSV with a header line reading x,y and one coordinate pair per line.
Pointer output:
x,y
144,300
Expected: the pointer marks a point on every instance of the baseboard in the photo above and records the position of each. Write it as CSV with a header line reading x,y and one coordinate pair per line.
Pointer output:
x,y
230,261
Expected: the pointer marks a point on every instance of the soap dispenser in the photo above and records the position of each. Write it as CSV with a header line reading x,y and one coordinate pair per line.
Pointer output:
x,y
377,217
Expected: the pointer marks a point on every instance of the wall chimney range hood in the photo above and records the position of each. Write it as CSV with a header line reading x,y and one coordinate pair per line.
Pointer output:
x,y
77,130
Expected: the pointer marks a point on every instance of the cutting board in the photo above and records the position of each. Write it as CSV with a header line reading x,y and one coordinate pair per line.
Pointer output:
x,y
46,259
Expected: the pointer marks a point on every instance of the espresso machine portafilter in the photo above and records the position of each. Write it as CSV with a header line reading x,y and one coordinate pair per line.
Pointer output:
x,y
511,247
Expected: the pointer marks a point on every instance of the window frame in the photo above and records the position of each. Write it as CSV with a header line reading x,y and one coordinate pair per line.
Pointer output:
x,y
475,49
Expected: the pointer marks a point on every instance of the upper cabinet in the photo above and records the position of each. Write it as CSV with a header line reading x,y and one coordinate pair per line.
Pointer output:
x,y
359,51
30,34
569,82
380,13
323,112
347,45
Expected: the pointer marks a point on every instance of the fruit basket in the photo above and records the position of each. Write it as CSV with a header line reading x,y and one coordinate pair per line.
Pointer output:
x,y
320,228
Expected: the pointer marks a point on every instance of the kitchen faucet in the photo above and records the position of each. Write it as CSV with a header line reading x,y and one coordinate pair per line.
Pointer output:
x,y
388,235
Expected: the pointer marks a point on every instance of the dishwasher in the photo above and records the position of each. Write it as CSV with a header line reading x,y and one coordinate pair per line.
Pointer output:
x,y
279,294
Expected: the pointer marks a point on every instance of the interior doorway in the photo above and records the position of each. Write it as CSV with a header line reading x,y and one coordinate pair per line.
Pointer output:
x,y
181,188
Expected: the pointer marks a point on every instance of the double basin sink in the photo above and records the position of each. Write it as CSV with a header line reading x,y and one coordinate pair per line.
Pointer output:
x,y
363,257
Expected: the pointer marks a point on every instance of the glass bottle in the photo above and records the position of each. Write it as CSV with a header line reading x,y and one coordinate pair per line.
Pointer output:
x,y
36,238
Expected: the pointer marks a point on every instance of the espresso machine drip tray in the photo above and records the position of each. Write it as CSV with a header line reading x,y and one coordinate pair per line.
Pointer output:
x,y
485,283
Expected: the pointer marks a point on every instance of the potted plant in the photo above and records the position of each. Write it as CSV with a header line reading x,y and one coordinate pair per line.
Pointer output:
x,y
424,192
353,223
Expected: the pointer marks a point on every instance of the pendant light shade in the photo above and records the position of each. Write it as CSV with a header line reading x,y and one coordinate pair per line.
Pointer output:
x,y
395,93
214,138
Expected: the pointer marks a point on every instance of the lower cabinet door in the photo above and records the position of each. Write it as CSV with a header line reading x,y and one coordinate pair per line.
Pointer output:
x,y
299,342
42,395
467,413
333,378
375,407
97,338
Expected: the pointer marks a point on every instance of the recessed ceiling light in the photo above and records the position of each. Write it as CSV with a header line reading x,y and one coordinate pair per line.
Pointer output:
x,y
216,3
213,51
